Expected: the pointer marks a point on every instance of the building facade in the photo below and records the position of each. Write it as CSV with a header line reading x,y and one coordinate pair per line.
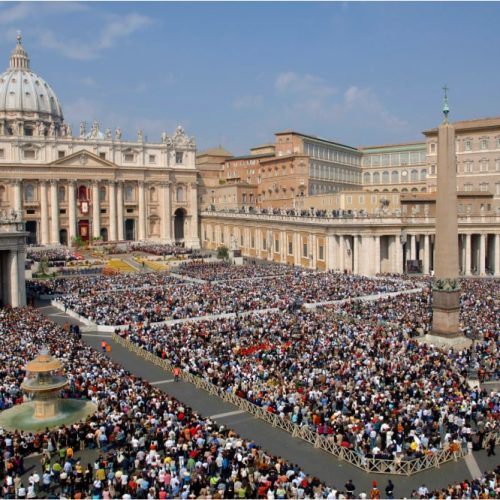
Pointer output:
x,y
93,184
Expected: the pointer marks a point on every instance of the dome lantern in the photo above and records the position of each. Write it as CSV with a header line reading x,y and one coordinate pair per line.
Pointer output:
x,y
19,58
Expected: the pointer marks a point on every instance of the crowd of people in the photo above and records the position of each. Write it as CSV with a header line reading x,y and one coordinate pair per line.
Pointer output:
x,y
224,271
354,372
373,387
119,302
162,249
148,445
52,255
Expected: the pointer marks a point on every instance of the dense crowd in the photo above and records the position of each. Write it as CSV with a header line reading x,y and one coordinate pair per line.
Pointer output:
x,y
59,254
372,387
149,444
223,271
160,249
154,302
479,318
91,285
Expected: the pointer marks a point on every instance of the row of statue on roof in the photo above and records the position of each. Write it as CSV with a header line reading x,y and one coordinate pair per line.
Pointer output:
x,y
179,138
54,129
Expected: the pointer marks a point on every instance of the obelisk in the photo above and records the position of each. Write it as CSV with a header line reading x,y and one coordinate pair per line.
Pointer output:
x,y
446,288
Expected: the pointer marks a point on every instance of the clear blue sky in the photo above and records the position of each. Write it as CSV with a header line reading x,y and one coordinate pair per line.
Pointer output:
x,y
235,73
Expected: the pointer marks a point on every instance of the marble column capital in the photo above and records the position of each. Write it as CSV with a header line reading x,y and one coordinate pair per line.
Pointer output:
x,y
53,182
72,182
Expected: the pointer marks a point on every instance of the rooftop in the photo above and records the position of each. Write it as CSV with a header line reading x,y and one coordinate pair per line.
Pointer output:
x,y
327,141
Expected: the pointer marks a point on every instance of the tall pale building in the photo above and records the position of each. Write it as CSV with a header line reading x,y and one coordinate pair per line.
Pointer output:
x,y
89,183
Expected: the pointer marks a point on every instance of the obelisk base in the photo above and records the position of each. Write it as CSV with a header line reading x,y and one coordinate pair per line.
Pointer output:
x,y
446,321
446,313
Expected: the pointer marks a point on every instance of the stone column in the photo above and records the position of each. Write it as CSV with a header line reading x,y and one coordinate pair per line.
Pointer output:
x,y
71,211
18,202
96,210
297,250
193,203
44,214
427,255
112,211
468,256
341,254
142,211
22,277
497,255
376,242
330,251
167,211
482,254
14,278
398,255
54,213
314,251
283,249
119,209
413,246
356,251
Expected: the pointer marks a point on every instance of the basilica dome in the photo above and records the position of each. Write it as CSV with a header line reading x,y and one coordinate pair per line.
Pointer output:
x,y
24,95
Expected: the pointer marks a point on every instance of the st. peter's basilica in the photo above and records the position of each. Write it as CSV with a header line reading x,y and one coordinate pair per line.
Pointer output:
x,y
89,183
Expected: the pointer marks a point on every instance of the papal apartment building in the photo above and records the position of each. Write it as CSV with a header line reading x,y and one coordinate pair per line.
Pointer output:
x,y
89,183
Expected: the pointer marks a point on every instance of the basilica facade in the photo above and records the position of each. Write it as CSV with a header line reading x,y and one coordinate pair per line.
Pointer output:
x,y
89,184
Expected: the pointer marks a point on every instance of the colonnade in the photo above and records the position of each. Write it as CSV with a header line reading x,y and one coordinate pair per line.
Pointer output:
x,y
369,251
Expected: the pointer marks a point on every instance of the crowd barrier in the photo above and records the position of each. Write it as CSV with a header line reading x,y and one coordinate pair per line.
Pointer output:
x,y
372,465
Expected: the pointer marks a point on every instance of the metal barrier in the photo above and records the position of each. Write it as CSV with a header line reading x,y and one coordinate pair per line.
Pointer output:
x,y
397,466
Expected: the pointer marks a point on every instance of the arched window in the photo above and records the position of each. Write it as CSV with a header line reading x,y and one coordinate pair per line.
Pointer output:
x,y
102,194
376,178
395,177
29,193
61,193
414,190
385,178
423,174
367,178
404,176
414,175
129,192
180,193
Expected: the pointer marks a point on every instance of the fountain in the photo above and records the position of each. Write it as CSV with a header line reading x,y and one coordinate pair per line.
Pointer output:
x,y
45,409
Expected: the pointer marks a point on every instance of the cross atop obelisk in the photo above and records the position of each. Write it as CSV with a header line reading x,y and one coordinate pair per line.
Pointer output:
x,y
446,108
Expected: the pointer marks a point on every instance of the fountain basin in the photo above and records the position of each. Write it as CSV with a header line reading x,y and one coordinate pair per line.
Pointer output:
x,y
22,417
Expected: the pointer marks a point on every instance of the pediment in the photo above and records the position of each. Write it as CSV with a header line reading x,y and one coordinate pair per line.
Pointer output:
x,y
83,159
